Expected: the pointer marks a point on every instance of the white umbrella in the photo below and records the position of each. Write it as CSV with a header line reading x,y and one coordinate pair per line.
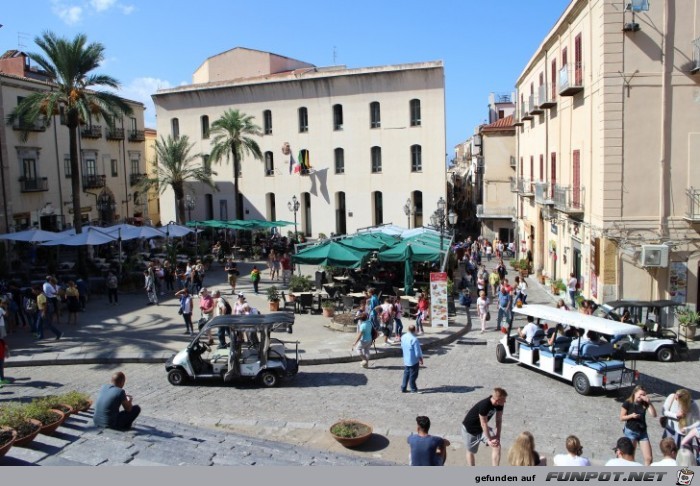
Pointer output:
x,y
32,236
129,232
173,230
91,236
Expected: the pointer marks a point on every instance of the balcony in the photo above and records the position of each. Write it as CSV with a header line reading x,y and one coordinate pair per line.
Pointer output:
x,y
693,214
136,136
37,184
489,212
542,193
695,66
517,119
93,131
93,181
568,199
526,114
525,187
535,108
546,101
136,179
571,80
115,134
514,184
37,126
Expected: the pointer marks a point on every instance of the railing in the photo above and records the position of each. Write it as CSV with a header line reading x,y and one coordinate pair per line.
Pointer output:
x,y
525,187
693,213
135,179
115,134
535,108
516,116
38,184
514,184
568,199
37,126
136,136
544,97
526,112
499,212
93,181
570,79
93,131
542,193
696,56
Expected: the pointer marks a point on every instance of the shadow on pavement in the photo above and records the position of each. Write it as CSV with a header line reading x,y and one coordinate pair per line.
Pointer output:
x,y
375,443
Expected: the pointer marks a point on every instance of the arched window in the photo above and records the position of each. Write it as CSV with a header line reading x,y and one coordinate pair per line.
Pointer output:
x,y
303,120
414,105
175,127
376,160
416,158
378,207
205,126
337,117
267,122
269,164
375,116
339,160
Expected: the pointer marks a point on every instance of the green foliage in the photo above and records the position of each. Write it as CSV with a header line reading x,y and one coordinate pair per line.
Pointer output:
x,y
75,399
14,416
687,317
349,430
322,236
40,410
450,286
257,251
5,436
514,263
327,304
273,294
300,283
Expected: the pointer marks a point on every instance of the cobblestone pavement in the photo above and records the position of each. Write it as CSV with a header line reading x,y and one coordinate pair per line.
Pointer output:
x,y
455,376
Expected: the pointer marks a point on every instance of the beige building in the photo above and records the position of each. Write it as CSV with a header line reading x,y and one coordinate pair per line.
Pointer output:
x,y
374,137
608,150
153,196
36,177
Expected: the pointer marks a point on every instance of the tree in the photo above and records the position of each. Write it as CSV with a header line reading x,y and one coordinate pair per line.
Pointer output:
x,y
69,63
174,167
232,139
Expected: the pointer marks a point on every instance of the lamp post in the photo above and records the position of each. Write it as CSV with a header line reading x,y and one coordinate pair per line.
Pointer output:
x,y
293,206
440,219
190,204
408,209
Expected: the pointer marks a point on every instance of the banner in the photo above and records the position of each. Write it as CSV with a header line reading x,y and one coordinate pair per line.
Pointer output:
x,y
438,299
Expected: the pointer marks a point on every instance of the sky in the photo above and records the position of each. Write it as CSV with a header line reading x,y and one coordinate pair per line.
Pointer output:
x,y
154,44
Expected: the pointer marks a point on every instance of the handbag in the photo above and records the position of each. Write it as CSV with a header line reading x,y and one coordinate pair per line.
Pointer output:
x,y
488,316
663,422
179,311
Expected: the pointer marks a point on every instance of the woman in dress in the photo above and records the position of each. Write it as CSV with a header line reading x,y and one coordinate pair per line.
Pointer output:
x,y
523,453
482,308
72,302
633,414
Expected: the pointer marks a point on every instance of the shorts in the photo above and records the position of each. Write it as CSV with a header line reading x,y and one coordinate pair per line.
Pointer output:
x,y
471,442
232,280
386,331
638,436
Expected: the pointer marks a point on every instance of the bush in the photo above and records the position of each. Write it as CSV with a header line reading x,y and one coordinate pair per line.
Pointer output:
x,y
14,416
349,430
76,399
300,283
40,410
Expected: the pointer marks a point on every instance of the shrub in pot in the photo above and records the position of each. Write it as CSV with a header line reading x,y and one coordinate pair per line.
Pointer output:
x,y
14,416
7,438
78,400
351,433
328,307
50,419
273,297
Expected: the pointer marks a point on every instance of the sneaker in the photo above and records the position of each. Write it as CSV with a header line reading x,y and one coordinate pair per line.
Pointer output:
x,y
188,332
417,392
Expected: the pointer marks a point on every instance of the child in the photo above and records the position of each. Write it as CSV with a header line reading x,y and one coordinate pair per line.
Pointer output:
x,y
255,278
3,352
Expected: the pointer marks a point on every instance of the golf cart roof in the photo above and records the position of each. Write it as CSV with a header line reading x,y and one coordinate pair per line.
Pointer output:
x,y
576,319
615,304
274,321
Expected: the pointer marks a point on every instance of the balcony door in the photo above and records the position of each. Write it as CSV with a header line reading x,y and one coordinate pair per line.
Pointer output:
x,y
576,189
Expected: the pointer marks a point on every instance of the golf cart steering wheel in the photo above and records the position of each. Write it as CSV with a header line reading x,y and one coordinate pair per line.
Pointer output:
x,y
200,347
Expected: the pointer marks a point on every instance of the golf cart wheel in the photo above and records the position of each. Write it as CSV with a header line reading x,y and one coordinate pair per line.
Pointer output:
x,y
176,377
582,384
665,354
269,378
501,353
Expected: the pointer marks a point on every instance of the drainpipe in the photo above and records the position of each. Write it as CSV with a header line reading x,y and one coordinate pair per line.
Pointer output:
x,y
126,187
664,166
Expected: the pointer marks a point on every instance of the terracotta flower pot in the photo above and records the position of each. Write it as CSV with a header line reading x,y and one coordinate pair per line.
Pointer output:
x,y
26,440
49,429
364,433
8,445
86,407
328,312
274,305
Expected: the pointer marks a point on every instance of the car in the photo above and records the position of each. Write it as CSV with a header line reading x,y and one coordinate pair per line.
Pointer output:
x,y
586,365
655,317
261,358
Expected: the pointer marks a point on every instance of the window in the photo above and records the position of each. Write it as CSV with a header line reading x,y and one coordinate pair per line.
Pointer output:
x,y
375,116
554,79
416,158
135,169
532,168
267,122
114,165
133,124
90,167
378,208
206,165
205,126
501,114
337,117
578,61
66,167
339,161
553,172
376,160
29,169
415,112
175,127
269,164
303,120
541,167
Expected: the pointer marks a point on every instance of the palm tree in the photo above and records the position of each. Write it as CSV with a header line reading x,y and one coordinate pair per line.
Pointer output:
x,y
232,139
174,168
68,64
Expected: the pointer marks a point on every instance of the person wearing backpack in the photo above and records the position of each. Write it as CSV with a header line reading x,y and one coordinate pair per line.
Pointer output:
x,y
398,312
223,308
386,320
364,339
255,278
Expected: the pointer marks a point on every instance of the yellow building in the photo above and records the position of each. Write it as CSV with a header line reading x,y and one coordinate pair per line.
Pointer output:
x,y
153,197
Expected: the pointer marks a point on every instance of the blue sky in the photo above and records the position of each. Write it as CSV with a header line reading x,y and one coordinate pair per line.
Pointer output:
x,y
158,44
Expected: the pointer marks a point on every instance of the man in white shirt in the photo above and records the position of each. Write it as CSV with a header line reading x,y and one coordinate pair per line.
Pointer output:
x,y
624,452
669,449
571,287
528,332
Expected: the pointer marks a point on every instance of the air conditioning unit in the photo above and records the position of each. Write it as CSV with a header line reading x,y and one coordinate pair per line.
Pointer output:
x,y
654,256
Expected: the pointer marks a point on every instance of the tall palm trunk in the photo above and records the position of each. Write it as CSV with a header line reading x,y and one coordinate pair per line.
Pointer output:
x,y
236,192
73,125
180,198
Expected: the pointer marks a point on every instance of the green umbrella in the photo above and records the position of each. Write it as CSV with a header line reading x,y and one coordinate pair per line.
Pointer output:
x,y
364,242
331,253
408,252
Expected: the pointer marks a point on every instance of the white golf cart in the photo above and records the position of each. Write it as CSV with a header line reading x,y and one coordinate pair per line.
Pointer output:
x,y
250,351
591,365
655,317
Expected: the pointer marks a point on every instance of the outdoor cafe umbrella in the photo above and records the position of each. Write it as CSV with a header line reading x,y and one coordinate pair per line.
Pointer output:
x,y
365,242
409,252
173,230
33,235
331,253
92,236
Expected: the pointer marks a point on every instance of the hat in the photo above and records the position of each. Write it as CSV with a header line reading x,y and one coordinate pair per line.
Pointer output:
x,y
204,290
241,295
625,446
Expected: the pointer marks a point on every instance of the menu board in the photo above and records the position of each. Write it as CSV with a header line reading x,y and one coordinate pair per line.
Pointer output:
x,y
438,299
678,282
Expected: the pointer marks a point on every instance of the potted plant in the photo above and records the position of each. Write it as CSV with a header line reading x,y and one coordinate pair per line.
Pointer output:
x,y
557,286
257,252
524,268
328,307
351,433
14,416
79,401
688,321
300,283
514,263
55,402
7,438
50,419
322,236
273,297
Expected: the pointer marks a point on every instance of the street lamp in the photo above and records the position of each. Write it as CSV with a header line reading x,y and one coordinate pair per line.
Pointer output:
x,y
293,206
440,219
190,204
408,209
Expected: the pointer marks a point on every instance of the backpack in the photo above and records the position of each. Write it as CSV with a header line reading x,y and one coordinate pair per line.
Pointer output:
x,y
375,333
227,307
385,317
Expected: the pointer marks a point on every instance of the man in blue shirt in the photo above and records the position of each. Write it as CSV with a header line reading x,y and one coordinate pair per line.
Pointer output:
x,y
427,450
110,399
505,305
373,303
412,359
